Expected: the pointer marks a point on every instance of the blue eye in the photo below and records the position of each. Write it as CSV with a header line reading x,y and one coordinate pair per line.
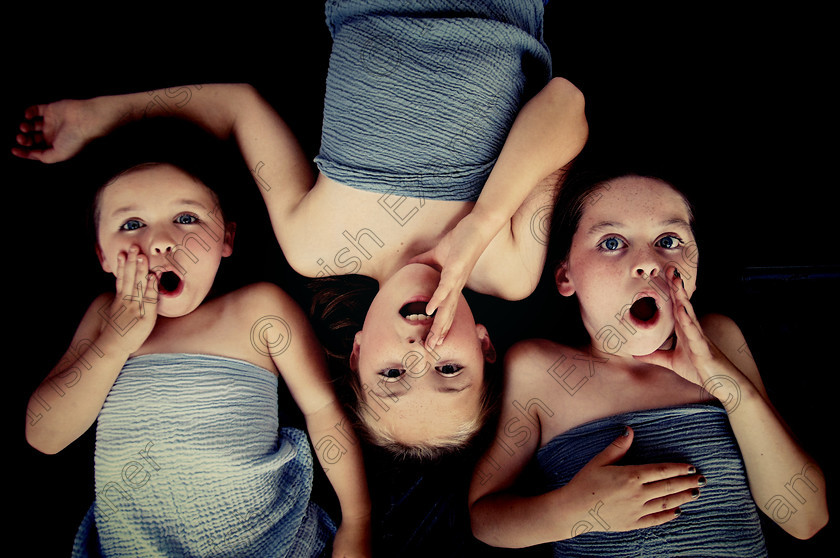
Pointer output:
x,y
186,219
669,242
611,244
131,225
392,374
449,369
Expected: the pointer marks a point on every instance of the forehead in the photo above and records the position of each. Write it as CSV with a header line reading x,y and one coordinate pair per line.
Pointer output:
x,y
635,197
158,182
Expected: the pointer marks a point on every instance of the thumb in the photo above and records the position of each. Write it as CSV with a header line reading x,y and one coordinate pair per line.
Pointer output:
x,y
615,450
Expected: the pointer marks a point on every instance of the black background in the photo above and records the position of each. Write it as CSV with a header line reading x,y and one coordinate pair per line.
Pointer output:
x,y
736,105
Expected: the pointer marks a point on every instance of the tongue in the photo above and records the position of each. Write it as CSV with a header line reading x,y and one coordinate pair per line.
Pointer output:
x,y
643,309
169,281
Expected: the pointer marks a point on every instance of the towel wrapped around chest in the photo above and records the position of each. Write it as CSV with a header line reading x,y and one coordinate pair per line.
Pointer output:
x,y
723,521
190,461
420,95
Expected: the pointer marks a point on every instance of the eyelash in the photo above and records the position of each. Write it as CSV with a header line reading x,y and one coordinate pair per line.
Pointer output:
x,y
387,378
602,248
194,220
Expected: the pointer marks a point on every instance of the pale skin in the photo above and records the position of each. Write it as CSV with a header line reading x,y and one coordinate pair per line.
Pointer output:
x,y
488,246
627,243
472,243
137,237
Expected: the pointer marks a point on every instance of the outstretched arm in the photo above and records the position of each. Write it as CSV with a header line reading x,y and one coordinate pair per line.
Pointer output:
x,y
58,131
785,481
547,135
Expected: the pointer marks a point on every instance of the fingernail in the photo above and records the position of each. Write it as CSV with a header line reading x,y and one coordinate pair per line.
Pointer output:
x,y
676,273
701,481
695,493
677,512
691,470
626,432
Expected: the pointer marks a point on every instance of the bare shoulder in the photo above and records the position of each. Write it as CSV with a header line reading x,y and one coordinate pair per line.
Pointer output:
x,y
262,297
725,334
529,364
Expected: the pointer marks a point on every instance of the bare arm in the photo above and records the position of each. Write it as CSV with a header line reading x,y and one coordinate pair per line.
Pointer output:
x,y
547,134
303,367
785,481
623,497
69,399
57,131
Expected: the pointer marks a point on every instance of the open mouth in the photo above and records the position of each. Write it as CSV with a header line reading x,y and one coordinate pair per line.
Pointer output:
x,y
644,309
169,283
416,312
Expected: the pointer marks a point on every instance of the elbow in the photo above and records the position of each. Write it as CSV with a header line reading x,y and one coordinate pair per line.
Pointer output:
x,y
43,446
570,99
41,441
806,529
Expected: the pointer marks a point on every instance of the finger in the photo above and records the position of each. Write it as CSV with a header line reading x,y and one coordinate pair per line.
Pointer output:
x,y
657,493
671,502
658,518
129,272
681,301
34,154
440,327
24,140
34,111
615,450
119,273
661,471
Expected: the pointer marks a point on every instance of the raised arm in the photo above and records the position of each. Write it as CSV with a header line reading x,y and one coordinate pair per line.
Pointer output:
x,y
58,131
69,399
303,367
491,250
786,483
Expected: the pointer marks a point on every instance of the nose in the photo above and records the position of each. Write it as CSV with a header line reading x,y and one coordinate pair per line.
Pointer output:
x,y
419,333
162,243
646,264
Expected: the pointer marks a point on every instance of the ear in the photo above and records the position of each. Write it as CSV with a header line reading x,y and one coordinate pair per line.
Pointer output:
x,y
354,355
487,347
563,281
230,233
101,257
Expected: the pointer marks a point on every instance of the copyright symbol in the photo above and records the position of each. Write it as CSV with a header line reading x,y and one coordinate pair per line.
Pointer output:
x,y
271,335
381,56
541,224
725,382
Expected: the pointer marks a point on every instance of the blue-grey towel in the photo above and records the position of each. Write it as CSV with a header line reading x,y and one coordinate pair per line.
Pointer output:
x,y
722,522
420,95
189,462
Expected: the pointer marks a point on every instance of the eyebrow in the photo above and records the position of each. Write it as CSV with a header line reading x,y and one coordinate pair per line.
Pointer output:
x,y
401,392
185,201
603,225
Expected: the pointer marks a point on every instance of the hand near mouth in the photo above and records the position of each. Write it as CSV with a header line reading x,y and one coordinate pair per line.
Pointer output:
x,y
133,312
455,257
695,357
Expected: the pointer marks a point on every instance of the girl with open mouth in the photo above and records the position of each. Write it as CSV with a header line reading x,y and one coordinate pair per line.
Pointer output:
x,y
656,436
